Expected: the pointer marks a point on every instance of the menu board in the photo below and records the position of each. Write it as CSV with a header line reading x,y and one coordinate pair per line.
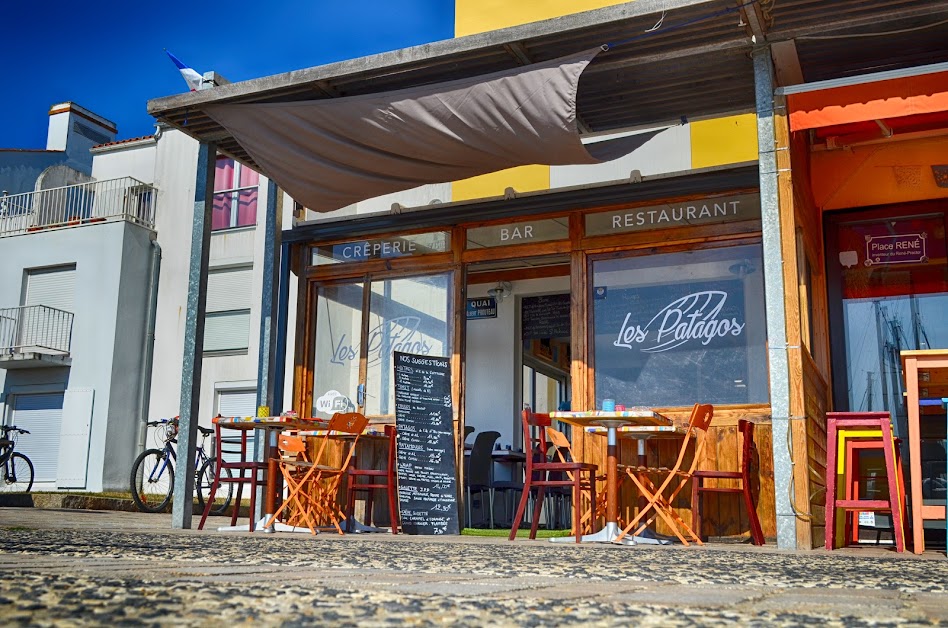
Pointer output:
x,y
427,485
545,316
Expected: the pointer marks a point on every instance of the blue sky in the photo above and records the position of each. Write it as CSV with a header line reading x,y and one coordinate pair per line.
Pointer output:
x,y
109,56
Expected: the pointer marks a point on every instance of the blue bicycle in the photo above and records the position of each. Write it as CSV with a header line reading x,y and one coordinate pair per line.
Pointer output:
x,y
152,479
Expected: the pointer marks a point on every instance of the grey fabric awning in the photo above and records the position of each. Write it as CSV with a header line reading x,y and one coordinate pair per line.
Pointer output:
x,y
330,153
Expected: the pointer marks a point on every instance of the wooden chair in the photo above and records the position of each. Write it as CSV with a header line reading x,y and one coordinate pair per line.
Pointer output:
x,y
313,487
376,480
580,476
746,428
590,511
232,454
659,504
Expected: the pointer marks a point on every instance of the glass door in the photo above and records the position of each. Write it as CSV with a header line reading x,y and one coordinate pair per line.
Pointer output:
x,y
359,326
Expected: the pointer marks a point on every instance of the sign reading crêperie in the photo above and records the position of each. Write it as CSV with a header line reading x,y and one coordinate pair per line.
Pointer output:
x,y
704,211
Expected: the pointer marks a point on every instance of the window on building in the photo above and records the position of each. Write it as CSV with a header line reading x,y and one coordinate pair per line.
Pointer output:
x,y
235,195
681,328
227,323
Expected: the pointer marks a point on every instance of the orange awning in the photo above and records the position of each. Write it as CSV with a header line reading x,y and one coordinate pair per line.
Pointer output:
x,y
868,101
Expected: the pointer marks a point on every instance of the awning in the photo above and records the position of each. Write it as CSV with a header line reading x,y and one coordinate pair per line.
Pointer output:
x,y
330,153
921,93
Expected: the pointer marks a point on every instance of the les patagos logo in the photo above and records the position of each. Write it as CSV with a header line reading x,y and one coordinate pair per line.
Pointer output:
x,y
692,318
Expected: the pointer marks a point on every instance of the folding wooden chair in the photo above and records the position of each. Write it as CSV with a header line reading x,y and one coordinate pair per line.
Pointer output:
x,y
313,486
660,505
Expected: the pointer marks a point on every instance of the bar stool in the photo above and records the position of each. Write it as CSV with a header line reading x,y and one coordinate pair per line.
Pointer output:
x,y
856,442
877,421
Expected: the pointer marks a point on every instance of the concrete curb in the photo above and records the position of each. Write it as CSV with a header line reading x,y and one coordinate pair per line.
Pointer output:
x,y
66,500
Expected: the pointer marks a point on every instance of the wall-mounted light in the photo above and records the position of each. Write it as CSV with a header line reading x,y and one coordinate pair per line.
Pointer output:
x,y
501,291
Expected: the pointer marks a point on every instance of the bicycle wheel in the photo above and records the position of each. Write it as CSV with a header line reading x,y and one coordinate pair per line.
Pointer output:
x,y
205,479
17,474
152,480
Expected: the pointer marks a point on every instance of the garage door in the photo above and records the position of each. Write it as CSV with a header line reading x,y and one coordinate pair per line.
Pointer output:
x,y
42,415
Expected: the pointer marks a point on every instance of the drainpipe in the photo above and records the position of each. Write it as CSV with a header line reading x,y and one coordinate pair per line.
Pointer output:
x,y
144,386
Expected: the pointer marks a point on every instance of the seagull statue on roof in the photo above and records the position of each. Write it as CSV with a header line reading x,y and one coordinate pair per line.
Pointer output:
x,y
191,77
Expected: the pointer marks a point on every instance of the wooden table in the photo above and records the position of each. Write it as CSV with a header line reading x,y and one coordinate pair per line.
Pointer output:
x,y
631,417
934,362
269,425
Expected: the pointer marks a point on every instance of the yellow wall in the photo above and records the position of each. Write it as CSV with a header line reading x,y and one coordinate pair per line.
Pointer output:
x,y
724,141
478,16
522,179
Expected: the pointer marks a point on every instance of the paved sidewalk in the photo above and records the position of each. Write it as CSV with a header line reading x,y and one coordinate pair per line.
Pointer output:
x,y
67,567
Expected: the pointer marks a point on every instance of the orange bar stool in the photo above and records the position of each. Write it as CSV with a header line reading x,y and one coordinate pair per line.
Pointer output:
x,y
837,422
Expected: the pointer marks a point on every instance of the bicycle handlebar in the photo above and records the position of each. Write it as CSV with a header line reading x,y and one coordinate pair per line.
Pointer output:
x,y
13,428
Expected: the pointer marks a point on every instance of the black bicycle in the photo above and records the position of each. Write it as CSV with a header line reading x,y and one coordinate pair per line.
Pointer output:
x,y
17,472
152,478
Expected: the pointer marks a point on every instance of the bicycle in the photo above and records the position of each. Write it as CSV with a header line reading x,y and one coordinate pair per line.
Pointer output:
x,y
152,477
17,472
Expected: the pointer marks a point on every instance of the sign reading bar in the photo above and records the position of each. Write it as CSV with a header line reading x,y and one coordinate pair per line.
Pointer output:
x,y
526,232
381,248
545,316
482,307
427,485
699,212
903,248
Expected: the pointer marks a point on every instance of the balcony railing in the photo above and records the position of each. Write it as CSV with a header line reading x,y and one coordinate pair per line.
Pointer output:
x,y
35,328
81,204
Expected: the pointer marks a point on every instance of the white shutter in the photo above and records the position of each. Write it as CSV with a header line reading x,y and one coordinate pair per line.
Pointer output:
x,y
227,324
42,415
227,331
237,403
53,287
229,289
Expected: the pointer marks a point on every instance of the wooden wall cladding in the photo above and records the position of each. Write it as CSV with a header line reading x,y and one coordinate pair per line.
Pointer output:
x,y
723,514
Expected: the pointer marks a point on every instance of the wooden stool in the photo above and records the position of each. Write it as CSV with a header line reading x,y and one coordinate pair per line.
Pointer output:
x,y
881,421
855,442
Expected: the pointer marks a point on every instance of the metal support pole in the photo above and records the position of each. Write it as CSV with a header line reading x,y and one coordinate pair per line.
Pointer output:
x,y
774,299
268,302
194,338
283,304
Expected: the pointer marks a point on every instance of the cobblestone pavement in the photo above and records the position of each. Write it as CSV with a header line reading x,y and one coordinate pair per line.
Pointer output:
x,y
94,568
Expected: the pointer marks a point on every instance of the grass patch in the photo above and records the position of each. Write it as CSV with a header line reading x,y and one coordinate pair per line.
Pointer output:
x,y
521,534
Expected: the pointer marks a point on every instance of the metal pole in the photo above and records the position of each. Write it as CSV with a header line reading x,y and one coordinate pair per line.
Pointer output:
x,y
283,304
268,302
194,338
774,299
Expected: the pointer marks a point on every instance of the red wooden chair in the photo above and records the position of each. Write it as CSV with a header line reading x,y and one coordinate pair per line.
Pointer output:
x,y
375,480
746,428
232,455
580,476
591,511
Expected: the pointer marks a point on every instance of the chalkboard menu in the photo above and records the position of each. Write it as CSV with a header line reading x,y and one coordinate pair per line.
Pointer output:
x,y
427,486
545,316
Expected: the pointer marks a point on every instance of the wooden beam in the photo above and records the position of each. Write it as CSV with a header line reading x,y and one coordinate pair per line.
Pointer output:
x,y
786,63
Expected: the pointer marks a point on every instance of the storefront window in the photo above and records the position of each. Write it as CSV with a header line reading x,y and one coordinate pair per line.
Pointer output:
x,y
409,315
338,340
680,328
895,295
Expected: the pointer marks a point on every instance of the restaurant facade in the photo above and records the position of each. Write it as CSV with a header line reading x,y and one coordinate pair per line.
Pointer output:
x,y
772,263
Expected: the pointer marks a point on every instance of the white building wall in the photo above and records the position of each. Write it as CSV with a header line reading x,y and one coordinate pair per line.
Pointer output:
x,y
136,159
111,269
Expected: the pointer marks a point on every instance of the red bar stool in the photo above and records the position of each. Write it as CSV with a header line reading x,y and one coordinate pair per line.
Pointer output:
x,y
881,421
852,480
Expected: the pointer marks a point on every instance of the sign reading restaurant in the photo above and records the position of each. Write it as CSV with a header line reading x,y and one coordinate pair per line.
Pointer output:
x,y
698,212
